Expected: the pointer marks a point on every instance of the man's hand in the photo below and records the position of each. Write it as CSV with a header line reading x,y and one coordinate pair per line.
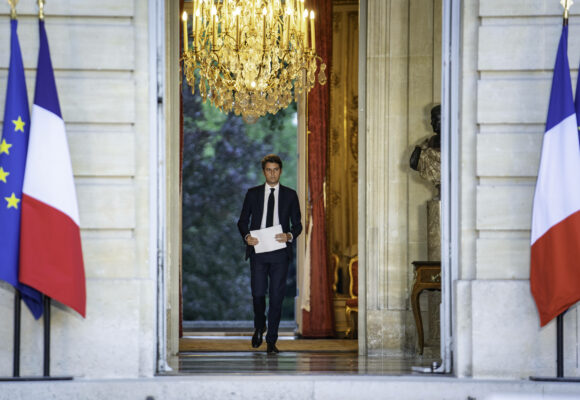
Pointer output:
x,y
252,241
283,237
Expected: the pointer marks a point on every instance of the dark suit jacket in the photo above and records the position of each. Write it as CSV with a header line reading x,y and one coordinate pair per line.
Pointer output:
x,y
288,214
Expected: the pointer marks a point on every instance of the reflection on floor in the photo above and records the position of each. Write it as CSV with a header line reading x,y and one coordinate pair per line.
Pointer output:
x,y
296,363
214,354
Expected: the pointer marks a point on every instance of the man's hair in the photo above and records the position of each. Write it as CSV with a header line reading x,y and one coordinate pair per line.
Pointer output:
x,y
271,158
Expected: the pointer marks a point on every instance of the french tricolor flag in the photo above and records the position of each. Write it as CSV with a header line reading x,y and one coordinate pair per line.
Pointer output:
x,y
51,259
555,237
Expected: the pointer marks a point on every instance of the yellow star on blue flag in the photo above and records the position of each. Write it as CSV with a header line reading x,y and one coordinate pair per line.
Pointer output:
x,y
18,124
12,201
3,175
5,147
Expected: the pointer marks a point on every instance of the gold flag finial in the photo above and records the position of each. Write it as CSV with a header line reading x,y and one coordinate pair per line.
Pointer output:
x,y
566,4
13,8
41,9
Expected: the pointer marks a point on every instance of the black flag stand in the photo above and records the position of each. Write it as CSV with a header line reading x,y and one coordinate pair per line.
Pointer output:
x,y
46,369
559,356
16,346
16,349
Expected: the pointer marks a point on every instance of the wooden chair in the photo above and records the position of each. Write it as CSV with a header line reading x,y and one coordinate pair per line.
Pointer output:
x,y
352,302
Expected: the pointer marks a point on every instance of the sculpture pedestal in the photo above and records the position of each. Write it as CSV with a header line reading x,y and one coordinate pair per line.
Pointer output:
x,y
434,230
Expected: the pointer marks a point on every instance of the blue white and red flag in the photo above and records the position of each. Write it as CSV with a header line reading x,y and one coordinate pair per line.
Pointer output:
x,y
555,237
51,258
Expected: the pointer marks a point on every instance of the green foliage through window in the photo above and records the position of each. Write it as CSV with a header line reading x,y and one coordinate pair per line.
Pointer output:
x,y
221,160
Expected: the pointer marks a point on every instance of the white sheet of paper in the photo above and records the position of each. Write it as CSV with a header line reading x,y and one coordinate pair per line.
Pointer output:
x,y
267,239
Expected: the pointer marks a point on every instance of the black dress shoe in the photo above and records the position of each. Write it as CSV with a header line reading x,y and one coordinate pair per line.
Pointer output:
x,y
257,338
272,349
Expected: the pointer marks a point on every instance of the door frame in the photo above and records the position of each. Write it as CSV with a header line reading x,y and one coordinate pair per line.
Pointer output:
x,y
165,209
450,167
450,173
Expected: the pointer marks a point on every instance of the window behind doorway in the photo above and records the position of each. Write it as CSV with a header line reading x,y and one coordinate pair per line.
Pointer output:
x,y
221,160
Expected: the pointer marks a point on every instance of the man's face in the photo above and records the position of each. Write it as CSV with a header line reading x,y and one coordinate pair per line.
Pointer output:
x,y
272,173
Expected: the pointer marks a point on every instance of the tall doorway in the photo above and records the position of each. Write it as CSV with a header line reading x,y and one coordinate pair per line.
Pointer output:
x,y
221,161
211,138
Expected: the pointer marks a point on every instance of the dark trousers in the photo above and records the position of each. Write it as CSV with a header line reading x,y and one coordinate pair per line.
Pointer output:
x,y
272,266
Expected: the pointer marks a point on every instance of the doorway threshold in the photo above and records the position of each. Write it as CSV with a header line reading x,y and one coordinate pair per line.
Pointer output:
x,y
235,336
231,328
189,344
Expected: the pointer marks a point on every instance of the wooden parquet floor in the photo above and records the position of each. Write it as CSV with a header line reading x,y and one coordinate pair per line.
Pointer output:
x,y
285,343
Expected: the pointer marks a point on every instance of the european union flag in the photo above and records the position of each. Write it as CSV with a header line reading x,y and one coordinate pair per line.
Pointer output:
x,y
13,149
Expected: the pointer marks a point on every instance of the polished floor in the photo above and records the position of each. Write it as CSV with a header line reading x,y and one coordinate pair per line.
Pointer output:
x,y
296,363
234,355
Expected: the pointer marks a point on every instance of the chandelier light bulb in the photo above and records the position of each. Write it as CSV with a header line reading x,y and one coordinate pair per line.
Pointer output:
x,y
185,41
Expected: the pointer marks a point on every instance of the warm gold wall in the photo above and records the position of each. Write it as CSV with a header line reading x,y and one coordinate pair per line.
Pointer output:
x,y
342,165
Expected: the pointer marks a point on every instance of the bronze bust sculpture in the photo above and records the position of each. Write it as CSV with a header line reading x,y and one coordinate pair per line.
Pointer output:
x,y
426,158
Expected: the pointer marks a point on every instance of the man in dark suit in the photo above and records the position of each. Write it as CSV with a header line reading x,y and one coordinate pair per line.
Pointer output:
x,y
268,205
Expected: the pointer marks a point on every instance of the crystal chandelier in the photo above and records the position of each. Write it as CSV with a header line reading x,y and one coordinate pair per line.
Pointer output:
x,y
253,56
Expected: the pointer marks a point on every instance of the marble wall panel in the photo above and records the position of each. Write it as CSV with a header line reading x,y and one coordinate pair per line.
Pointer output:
x,y
89,44
108,257
509,155
106,205
102,153
520,100
503,258
524,47
88,97
504,207
102,8
500,8
462,309
507,339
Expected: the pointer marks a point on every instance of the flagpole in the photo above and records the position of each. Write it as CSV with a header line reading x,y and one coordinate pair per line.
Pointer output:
x,y
16,349
560,318
17,295
46,336
560,345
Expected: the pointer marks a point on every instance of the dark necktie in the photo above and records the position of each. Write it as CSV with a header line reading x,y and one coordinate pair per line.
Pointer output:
x,y
270,214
